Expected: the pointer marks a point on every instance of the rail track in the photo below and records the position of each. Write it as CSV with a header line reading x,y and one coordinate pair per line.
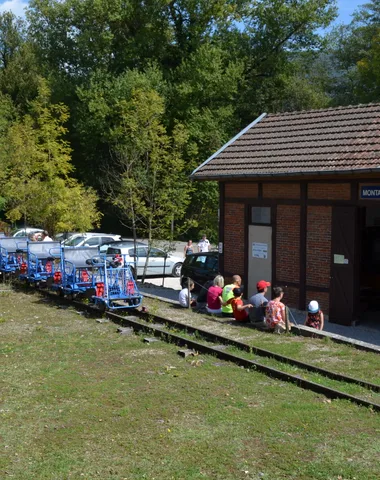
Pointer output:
x,y
162,328
205,342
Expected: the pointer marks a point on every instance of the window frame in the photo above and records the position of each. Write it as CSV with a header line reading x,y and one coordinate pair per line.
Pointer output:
x,y
261,224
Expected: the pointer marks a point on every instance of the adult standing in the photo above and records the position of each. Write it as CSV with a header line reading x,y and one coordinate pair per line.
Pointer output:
x,y
259,301
227,294
189,248
203,245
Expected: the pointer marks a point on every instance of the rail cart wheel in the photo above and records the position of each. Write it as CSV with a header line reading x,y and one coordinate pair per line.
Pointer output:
x,y
176,272
102,307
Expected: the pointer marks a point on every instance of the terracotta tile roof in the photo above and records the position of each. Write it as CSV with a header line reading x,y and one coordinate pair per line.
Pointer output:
x,y
344,139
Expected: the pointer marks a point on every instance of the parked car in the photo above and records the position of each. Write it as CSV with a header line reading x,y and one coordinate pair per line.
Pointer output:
x,y
200,267
61,237
119,244
24,232
89,240
159,262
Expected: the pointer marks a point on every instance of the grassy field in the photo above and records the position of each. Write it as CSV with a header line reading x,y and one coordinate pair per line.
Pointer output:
x,y
325,353
80,401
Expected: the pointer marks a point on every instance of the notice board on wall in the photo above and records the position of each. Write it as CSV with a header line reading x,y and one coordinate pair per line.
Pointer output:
x,y
259,250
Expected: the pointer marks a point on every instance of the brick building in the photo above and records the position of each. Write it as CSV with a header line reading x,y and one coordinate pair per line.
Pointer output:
x,y
300,206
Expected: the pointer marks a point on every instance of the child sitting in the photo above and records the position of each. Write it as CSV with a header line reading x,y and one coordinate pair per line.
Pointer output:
x,y
184,295
275,312
238,308
314,317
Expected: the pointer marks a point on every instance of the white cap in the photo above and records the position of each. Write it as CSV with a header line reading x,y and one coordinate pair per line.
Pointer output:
x,y
313,307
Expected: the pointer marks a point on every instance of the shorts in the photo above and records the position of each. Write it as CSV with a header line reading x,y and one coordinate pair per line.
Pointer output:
x,y
214,312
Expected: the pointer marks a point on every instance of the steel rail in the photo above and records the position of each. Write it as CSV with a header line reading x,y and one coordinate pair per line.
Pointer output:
x,y
133,322
222,355
212,337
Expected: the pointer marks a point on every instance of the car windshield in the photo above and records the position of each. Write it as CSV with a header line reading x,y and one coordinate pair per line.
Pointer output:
x,y
123,244
113,251
72,242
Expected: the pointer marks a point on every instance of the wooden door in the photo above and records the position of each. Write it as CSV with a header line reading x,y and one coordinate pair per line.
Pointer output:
x,y
343,294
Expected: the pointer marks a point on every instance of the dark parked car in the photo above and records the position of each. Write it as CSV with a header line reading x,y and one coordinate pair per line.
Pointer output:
x,y
201,267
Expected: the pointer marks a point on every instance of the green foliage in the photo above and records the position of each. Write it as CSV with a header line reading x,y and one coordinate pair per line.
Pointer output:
x,y
353,59
201,69
19,69
145,180
36,165
369,70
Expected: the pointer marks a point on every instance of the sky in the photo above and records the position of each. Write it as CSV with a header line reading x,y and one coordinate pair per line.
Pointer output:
x,y
346,8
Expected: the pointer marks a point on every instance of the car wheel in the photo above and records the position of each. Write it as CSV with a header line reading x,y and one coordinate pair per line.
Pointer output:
x,y
176,272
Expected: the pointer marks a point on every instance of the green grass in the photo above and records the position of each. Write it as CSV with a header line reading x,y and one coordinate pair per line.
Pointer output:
x,y
339,358
80,401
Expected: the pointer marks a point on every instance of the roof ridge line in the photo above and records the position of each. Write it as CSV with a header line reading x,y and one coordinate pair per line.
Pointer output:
x,y
258,119
328,109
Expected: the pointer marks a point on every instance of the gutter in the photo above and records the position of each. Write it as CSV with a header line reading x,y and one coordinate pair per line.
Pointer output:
x,y
229,143
286,174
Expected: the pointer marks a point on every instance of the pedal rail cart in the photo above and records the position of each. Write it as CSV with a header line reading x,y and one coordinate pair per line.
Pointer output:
x,y
116,288
43,260
11,254
76,276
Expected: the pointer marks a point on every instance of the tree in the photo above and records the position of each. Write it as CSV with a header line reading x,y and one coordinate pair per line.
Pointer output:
x,y
145,181
369,71
19,71
351,61
37,166
218,64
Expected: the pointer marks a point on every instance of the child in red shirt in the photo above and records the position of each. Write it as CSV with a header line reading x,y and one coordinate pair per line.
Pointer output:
x,y
238,307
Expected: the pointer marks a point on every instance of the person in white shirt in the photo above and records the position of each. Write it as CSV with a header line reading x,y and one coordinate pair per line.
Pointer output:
x,y
204,244
45,237
184,294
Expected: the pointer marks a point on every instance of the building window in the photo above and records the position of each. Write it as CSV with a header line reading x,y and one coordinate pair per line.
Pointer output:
x,y
261,215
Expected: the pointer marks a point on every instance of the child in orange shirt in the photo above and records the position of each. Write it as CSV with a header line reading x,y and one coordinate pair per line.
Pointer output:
x,y
238,307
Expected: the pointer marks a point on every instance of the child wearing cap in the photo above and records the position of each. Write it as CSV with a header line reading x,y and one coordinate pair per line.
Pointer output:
x,y
238,307
314,317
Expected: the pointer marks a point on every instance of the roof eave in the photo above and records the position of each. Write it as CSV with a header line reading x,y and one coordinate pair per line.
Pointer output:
x,y
217,178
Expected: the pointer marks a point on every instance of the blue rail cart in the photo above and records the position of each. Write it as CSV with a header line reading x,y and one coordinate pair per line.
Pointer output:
x,y
11,257
76,275
115,288
42,261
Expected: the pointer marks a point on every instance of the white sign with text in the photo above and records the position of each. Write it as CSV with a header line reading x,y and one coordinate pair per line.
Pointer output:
x,y
259,250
